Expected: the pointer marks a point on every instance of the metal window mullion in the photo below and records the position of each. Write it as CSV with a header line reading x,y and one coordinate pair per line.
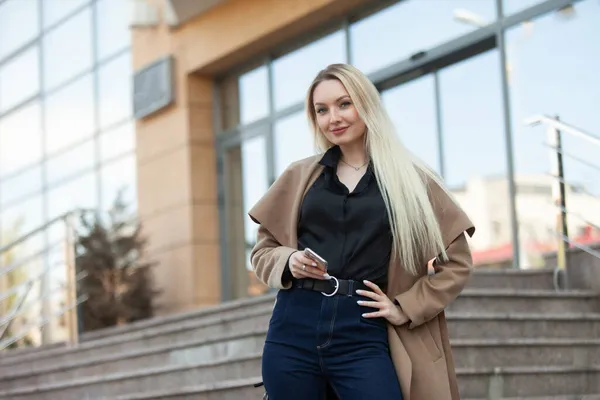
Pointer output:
x,y
96,91
512,190
348,41
270,134
439,125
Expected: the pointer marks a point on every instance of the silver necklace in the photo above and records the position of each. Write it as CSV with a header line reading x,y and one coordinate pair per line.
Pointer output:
x,y
352,166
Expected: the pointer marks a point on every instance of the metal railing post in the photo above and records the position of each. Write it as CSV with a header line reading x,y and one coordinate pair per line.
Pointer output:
x,y
71,292
559,194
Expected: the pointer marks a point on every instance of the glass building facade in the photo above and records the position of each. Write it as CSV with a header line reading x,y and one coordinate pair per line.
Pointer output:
x,y
459,78
66,132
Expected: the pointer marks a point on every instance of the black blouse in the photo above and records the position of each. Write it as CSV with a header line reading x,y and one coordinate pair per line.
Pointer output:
x,y
349,230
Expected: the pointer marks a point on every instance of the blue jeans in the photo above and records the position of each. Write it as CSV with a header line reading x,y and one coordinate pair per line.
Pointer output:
x,y
313,340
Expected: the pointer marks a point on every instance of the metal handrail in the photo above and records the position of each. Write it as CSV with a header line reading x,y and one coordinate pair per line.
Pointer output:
x,y
563,126
72,278
573,156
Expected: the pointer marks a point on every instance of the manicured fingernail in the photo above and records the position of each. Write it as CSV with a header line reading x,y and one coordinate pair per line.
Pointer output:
x,y
314,264
326,276
366,281
359,291
364,315
359,301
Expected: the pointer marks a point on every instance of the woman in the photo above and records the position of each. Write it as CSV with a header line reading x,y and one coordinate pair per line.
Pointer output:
x,y
371,326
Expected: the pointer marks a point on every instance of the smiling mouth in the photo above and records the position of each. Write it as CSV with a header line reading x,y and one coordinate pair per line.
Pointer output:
x,y
339,131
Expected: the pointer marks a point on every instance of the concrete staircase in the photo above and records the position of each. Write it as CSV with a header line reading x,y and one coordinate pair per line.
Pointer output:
x,y
513,336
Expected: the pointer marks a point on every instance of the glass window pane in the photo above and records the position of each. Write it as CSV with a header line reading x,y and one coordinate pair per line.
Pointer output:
x,y
413,111
19,78
19,23
255,183
293,73
115,90
293,141
565,86
54,11
70,115
21,185
475,152
20,219
77,193
254,95
70,41
514,6
117,141
20,139
112,26
71,162
412,26
118,176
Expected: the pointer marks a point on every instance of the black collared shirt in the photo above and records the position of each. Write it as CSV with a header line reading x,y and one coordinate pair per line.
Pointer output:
x,y
349,230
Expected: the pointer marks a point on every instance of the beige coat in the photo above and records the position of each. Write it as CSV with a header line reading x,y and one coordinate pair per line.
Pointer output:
x,y
420,349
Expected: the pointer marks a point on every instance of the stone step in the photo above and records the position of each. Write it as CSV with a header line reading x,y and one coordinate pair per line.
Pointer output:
x,y
481,278
491,301
220,359
519,301
234,320
536,279
135,330
523,325
534,383
460,325
535,327
469,353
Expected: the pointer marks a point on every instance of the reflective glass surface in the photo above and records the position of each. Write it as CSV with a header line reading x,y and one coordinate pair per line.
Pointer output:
x,y
293,141
475,151
411,26
21,185
566,86
55,11
112,26
76,193
19,23
254,95
67,49
20,139
115,90
293,73
514,6
117,141
70,115
413,110
19,220
19,78
116,176
71,162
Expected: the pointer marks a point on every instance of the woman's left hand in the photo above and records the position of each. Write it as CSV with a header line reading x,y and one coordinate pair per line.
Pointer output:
x,y
386,308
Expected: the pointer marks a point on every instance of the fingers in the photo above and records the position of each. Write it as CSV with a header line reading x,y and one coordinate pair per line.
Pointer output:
x,y
303,267
372,304
376,314
374,287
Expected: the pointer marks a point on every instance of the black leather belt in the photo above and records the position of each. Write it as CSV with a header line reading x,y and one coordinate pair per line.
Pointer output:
x,y
331,287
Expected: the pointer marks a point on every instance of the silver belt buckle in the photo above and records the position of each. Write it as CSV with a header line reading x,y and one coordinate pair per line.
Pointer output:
x,y
337,287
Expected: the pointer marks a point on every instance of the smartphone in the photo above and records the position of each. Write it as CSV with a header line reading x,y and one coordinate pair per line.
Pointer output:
x,y
321,262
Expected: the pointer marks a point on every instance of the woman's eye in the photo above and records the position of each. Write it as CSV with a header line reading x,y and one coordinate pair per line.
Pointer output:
x,y
320,110
345,104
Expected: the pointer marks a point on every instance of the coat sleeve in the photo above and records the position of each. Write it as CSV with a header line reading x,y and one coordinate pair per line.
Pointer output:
x,y
269,259
430,295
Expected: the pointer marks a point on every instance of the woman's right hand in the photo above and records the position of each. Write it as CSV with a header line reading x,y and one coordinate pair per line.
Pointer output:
x,y
303,267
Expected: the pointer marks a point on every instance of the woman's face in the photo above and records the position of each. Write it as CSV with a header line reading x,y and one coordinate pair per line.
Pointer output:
x,y
336,115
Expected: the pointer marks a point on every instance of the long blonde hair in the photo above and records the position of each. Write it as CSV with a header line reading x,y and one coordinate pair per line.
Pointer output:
x,y
401,175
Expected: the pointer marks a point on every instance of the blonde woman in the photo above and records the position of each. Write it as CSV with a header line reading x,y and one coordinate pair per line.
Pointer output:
x,y
347,235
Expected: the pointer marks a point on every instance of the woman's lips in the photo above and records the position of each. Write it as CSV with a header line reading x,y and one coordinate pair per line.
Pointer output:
x,y
339,131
